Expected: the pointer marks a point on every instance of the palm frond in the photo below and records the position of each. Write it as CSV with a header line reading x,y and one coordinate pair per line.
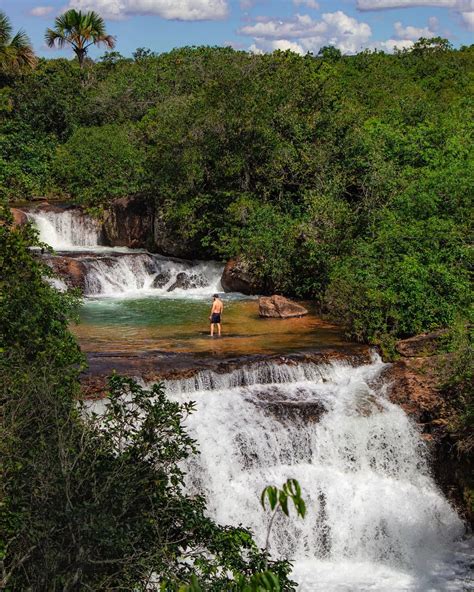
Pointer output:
x,y
5,28
53,37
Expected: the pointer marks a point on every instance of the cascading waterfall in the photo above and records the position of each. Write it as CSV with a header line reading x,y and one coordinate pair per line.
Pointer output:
x,y
121,271
144,273
66,230
376,520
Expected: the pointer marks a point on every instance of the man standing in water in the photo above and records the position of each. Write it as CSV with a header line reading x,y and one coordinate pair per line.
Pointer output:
x,y
216,312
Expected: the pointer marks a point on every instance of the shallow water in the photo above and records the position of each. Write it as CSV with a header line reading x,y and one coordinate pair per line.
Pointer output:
x,y
182,325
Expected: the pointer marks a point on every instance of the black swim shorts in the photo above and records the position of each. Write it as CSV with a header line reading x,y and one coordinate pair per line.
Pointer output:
x,y
215,318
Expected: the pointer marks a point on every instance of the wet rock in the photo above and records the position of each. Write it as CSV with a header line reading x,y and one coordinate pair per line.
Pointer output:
x,y
129,223
19,217
71,270
279,307
237,278
161,279
185,281
422,345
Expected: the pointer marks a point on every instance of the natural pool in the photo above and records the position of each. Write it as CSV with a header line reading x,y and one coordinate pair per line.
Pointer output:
x,y
181,325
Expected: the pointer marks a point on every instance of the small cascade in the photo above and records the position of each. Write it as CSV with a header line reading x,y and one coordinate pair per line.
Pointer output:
x,y
66,230
120,271
375,515
138,274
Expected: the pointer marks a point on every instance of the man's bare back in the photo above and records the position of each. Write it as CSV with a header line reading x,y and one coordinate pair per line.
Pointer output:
x,y
216,314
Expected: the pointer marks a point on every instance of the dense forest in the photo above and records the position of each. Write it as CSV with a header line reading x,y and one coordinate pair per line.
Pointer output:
x,y
345,179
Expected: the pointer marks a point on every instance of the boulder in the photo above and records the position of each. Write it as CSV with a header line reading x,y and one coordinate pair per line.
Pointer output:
x,y
237,278
161,279
186,281
71,270
426,344
279,307
129,223
19,217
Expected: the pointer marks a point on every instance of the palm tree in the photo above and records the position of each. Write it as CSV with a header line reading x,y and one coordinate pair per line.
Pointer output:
x,y
80,31
16,52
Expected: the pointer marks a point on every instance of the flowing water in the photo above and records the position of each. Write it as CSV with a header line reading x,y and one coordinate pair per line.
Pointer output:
x,y
376,521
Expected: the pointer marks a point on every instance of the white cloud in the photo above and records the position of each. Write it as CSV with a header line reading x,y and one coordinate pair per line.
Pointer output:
x,y
383,4
41,10
463,8
334,28
183,10
467,20
390,45
433,23
309,3
412,33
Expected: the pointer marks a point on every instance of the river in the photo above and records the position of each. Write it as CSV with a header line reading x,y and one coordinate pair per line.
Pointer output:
x,y
376,519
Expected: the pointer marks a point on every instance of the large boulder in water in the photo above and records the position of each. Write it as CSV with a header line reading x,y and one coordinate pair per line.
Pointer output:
x,y
187,281
279,307
237,278
129,223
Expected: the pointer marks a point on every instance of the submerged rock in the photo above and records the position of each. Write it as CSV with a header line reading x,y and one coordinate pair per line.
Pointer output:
x,y
161,279
279,307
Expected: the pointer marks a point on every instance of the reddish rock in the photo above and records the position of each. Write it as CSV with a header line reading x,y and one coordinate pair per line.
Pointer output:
x,y
237,278
422,345
19,217
279,307
70,269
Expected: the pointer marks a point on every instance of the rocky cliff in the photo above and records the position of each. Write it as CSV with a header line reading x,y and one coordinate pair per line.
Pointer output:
x,y
417,384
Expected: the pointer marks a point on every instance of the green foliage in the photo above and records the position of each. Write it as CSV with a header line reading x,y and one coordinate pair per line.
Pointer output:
x,y
117,172
278,501
458,387
278,498
345,179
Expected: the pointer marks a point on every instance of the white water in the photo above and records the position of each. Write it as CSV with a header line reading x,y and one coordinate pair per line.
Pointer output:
x,y
122,272
68,230
376,520
144,274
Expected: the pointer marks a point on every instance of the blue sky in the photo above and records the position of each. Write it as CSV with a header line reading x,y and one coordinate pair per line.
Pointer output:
x,y
257,25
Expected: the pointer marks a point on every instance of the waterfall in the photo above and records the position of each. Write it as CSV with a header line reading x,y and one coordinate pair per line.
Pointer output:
x,y
375,521
141,274
119,271
66,230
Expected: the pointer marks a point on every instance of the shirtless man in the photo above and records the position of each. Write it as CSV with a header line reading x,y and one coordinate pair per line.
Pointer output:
x,y
215,316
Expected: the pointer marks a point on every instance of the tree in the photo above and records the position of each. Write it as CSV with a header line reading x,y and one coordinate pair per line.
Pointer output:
x,y
16,52
80,31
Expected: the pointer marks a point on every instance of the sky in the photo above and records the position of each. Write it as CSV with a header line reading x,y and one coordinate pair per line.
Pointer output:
x,y
256,25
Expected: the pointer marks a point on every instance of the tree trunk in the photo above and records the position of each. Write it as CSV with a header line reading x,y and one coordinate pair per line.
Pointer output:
x,y
81,54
